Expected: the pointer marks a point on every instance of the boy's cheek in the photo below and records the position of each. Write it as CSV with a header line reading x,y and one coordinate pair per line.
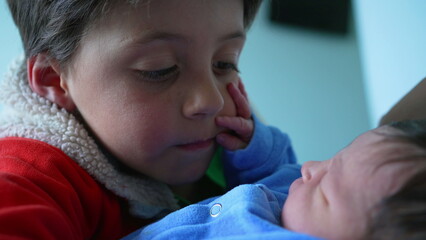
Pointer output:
x,y
229,108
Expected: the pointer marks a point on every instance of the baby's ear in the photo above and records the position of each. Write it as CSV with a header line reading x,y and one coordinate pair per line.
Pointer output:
x,y
45,79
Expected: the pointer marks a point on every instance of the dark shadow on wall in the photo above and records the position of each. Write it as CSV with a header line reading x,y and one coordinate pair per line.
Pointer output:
x,y
330,16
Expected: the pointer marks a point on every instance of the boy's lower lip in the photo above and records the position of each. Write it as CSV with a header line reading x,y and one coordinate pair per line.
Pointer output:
x,y
196,145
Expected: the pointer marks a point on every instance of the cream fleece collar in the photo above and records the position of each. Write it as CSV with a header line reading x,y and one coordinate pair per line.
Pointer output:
x,y
28,115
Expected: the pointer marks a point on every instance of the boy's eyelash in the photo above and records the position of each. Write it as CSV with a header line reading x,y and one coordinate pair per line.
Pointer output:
x,y
226,66
166,73
158,75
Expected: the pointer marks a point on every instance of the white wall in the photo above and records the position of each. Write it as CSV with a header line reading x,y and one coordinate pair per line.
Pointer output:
x,y
392,37
10,43
308,84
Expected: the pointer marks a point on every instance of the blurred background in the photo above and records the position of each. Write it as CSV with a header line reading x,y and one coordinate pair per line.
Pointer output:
x,y
324,71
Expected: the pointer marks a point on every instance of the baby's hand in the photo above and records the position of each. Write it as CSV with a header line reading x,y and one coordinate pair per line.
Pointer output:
x,y
241,126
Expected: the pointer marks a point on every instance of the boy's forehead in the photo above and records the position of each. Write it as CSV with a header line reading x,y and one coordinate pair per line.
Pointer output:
x,y
182,15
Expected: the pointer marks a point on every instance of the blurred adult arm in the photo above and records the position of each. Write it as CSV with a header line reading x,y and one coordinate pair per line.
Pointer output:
x,y
411,106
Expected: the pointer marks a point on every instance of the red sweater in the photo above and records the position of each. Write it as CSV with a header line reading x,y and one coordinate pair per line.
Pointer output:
x,y
45,195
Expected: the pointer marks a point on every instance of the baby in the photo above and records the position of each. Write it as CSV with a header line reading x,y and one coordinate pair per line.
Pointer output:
x,y
372,189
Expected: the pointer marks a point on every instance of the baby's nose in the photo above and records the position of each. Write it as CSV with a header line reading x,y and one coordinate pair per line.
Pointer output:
x,y
309,169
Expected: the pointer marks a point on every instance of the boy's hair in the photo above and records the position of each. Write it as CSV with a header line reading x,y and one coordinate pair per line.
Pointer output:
x,y
57,26
403,215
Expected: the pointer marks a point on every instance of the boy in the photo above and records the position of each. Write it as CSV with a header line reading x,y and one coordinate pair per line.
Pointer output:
x,y
115,112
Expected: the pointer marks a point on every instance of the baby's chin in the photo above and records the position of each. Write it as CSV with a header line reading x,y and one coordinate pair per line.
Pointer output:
x,y
284,221
291,220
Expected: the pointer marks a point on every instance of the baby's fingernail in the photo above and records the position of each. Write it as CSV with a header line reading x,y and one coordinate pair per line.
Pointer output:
x,y
231,85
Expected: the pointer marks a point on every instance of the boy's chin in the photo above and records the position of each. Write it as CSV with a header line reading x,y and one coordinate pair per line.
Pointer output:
x,y
186,180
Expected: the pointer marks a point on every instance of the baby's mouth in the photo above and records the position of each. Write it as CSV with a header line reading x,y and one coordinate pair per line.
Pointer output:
x,y
295,185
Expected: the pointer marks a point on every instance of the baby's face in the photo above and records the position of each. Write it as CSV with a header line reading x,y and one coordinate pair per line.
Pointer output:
x,y
150,80
335,198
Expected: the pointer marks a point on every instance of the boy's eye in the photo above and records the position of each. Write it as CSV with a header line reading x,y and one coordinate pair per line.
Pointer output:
x,y
158,75
225,67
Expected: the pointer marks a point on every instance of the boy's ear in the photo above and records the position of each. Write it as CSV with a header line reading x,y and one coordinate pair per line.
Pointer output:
x,y
44,76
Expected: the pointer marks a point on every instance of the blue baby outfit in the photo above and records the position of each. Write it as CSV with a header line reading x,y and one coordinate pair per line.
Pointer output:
x,y
248,211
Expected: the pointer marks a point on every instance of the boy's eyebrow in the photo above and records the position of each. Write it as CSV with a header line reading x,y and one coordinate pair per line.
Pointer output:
x,y
237,34
149,36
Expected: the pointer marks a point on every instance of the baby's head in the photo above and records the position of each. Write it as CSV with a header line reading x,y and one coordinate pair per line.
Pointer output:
x,y
375,188
148,77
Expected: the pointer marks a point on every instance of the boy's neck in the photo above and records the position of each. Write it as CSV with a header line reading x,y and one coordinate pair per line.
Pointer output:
x,y
187,191
197,191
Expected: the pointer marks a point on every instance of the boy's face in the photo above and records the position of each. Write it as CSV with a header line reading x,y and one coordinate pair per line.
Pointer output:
x,y
150,79
335,198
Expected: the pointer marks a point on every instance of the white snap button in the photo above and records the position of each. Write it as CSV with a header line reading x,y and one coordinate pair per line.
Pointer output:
x,y
215,210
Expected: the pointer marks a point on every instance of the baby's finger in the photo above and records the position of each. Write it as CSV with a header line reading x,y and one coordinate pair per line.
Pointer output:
x,y
230,142
241,102
241,126
242,88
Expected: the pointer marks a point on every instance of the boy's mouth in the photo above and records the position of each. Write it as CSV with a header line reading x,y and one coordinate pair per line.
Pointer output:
x,y
197,145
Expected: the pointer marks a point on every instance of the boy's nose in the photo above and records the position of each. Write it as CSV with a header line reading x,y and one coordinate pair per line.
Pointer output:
x,y
204,99
310,169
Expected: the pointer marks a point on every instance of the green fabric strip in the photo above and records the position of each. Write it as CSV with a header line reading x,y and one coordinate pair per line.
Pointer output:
x,y
215,170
